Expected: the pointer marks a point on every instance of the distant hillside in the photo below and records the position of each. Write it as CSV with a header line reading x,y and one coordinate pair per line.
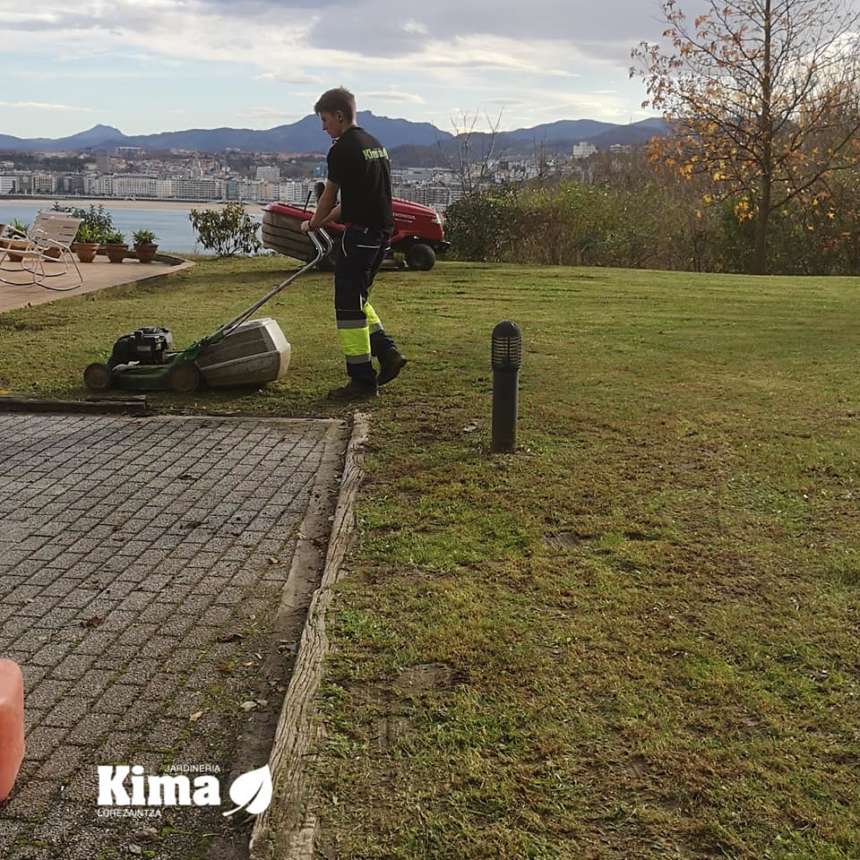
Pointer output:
x,y
414,143
552,138
637,134
97,136
306,135
559,136
419,156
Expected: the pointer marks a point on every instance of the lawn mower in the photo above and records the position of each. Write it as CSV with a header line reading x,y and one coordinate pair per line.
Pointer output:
x,y
240,352
418,232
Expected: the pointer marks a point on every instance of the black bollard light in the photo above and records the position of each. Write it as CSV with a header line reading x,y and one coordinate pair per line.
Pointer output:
x,y
507,358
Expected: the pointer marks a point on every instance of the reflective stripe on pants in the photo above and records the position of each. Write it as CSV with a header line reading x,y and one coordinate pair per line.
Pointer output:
x,y
362,253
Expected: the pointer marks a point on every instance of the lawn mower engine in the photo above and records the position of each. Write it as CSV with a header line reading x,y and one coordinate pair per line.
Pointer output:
x,y
147,345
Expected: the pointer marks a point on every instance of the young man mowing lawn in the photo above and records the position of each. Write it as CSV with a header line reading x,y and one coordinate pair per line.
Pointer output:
x,y
358,167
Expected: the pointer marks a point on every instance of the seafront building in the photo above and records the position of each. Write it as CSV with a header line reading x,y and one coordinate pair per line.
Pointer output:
x,y
132,172
430,186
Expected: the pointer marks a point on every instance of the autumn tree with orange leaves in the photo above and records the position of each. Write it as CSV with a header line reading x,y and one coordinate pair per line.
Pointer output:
x,y
762,99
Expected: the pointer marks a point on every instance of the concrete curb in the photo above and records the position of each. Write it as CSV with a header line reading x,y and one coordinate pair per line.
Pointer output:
x,y
287,830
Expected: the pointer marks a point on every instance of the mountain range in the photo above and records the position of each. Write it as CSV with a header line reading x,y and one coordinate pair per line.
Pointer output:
x,y
306,136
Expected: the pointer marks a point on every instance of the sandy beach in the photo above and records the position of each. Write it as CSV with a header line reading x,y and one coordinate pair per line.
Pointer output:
x,y
116,203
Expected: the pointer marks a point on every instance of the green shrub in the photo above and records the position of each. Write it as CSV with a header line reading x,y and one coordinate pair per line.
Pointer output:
x,y
144,237
661,225
98,222
485,227
566,223
87,236
227,232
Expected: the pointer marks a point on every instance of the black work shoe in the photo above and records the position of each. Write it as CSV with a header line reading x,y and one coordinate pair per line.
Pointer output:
x,y
390,364
354,391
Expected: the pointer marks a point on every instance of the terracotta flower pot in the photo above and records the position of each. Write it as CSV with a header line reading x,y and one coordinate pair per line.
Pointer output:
x,y
11,245
54,253
145,251
116,253
86,251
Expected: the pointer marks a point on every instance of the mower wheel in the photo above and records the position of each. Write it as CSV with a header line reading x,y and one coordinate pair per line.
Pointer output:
x,y
97,377
184,377
420,257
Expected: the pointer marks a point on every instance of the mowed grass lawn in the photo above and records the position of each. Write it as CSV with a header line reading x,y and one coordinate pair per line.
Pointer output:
x,y
635,638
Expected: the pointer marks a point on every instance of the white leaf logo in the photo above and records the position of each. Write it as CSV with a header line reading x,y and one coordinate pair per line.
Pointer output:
x,y
252,791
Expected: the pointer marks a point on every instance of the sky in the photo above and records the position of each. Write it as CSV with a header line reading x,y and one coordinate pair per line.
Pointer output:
x,y
145,66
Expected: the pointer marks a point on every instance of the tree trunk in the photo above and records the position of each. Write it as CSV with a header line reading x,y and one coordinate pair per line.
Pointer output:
x,y
854,254
766,132
760,266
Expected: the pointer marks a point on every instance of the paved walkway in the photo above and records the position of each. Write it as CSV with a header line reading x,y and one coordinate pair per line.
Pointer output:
x,y
141,565
98,275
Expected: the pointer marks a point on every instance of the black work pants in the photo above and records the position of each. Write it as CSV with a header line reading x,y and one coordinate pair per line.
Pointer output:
x,y
359,327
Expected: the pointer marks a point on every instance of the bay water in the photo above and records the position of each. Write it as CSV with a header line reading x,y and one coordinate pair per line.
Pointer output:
x,y
169,221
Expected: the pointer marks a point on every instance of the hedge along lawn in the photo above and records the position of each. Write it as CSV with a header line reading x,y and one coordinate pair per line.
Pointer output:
x,y
637,637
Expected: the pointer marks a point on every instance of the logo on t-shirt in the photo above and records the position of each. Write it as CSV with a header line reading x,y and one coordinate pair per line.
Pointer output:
x,y
370,154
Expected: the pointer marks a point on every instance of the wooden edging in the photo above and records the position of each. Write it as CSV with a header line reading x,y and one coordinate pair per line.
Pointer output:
x,y
133,405
287,830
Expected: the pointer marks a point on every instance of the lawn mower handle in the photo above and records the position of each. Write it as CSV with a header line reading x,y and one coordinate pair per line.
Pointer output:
x,y
322,242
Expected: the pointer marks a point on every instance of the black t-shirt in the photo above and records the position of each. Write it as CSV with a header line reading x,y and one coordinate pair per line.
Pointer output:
x,y
358,163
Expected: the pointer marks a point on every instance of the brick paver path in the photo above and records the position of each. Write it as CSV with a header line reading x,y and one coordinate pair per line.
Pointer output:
x,y
128,548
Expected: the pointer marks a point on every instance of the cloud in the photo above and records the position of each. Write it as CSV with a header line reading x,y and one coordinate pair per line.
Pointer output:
x,y
289,78
496,53
428,59
595,105
413,26
264,112
394,96
28,20
44,106
56,74
289,40
116,16
375,28
368,28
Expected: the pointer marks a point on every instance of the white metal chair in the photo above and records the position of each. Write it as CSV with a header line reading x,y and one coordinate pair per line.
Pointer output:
x,y
50,232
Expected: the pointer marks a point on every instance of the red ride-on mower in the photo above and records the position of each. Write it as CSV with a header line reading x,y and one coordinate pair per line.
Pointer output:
x,y
418,233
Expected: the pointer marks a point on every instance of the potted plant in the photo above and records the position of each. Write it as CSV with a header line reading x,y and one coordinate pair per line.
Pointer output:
x,y
86,243
144,245
115,246
12,243
97,221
